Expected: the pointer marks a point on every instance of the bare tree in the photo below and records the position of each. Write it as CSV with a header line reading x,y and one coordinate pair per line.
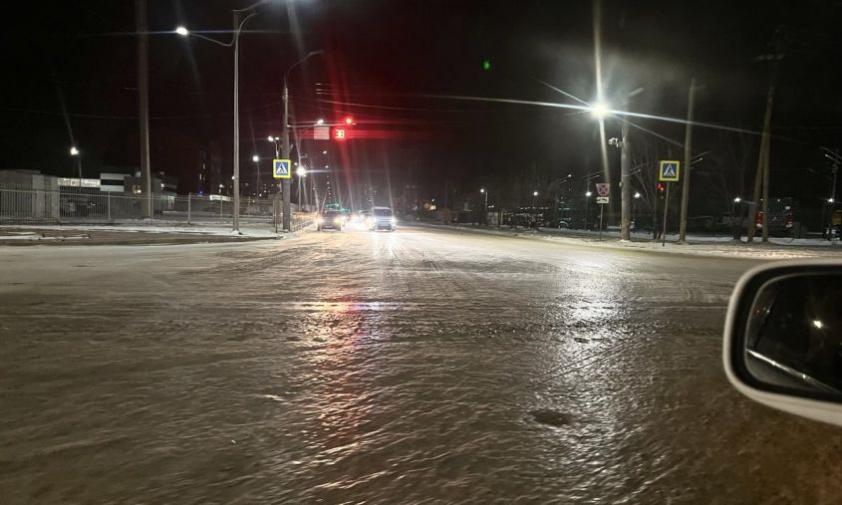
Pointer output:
x,y
646,153
728,168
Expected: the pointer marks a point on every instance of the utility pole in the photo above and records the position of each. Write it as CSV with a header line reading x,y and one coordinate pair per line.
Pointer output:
x,y
286,183
236,210
625,185
688,155
143,93
755,195
761,179
778,49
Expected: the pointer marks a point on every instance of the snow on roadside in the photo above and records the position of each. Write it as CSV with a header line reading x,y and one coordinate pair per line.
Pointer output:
x,y
778,249
216,230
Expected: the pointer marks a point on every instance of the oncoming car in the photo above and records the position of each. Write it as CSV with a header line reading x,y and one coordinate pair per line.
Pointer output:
x,y
382,218
330,220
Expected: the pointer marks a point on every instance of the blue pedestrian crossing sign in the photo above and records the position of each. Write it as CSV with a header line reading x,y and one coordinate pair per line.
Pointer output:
x,y
669,171
281,169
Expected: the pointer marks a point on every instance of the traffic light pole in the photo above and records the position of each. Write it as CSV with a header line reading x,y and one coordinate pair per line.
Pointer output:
x,y
286,184
666,206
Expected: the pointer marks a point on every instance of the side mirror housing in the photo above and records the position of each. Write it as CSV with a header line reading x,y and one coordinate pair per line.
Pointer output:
x,y
783,338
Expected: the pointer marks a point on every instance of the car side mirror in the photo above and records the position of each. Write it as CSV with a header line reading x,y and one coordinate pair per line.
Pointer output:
x,y
783,338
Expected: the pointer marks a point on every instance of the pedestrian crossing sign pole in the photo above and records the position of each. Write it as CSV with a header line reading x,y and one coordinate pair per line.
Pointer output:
x,y
669,171
281,169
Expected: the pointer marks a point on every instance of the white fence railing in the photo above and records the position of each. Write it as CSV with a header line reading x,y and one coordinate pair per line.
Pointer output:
x,y
75,205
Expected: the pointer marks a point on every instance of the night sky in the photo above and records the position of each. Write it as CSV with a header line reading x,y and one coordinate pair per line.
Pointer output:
x,y
70,77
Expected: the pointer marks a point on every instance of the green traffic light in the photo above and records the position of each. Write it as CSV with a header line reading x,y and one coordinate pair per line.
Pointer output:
x,y
486,65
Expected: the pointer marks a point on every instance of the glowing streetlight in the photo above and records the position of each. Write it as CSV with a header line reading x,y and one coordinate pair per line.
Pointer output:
x,y
637,195
301,172
482,190
599,110
535,193
738,200
182,31
830,200
272,139
588,194
74,151
320,122
255,158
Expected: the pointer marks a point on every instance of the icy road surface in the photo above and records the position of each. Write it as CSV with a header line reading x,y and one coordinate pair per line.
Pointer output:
x,y
402,367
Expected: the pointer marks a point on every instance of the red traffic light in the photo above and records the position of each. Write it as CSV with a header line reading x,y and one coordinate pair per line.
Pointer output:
x,y
661,187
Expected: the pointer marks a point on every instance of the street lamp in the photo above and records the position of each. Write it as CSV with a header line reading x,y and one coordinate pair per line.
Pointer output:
x,y
599,110
275,141
320,121
534,194
256,160
587,208
235,43
637,195
301,172
485,205
75,153
738,200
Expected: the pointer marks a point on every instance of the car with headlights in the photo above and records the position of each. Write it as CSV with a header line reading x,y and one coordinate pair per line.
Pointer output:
x,y
330,220
382,218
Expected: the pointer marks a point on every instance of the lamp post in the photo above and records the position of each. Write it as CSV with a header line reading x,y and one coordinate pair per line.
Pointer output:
x,y
600,110
634,209
256,160
587,208
275,140
287,183
301,172
74,152
485,206
235,43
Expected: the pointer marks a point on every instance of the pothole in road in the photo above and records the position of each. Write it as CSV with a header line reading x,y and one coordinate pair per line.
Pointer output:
x,y
551,417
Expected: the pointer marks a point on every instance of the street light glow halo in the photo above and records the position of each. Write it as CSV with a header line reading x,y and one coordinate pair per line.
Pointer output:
x,y
181,30
600,109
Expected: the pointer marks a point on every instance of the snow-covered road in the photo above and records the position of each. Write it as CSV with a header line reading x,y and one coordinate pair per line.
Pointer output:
x,y
384,367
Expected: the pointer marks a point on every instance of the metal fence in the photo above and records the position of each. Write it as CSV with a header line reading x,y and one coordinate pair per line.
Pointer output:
x,y
83,205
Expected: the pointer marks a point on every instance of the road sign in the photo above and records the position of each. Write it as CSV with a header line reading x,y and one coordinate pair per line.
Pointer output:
x,y
602,199
603,189
321,133
669,171
281,169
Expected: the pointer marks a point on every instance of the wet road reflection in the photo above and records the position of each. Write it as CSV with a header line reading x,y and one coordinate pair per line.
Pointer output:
x,y
391,367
